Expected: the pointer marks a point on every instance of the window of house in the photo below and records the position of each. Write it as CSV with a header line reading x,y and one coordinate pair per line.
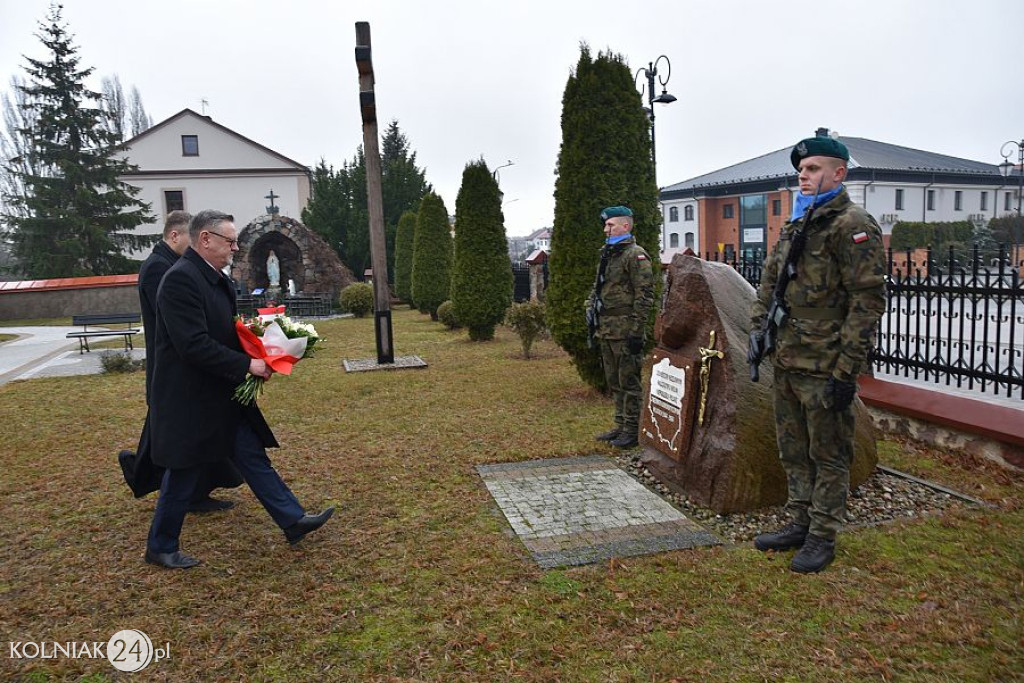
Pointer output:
x,y
984,201
673,240
1006,201
727,210
899,199
174,200
689,240
931,200
673,214
189,145
776,207
958,200
688,213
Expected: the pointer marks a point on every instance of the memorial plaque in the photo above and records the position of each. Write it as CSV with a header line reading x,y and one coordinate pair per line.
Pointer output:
x,y
670,403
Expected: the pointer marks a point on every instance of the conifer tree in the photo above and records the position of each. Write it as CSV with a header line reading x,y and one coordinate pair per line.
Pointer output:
x,y
403,185
432,256
604,160
78,218
405,237
482,275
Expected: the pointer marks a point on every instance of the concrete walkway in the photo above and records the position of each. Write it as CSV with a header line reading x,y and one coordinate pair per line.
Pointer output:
x,y
46,351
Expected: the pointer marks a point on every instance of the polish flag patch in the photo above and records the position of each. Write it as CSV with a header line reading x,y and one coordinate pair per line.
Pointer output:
x,y
643,257
860,237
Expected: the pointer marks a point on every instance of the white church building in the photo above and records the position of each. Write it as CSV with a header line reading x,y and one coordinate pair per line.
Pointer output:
x,y
191,162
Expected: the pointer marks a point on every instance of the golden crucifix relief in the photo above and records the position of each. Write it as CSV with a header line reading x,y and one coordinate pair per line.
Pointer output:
x,y
706,356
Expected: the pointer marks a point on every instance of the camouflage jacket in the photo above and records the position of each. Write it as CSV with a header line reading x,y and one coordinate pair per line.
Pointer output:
x,y
837,297
626,290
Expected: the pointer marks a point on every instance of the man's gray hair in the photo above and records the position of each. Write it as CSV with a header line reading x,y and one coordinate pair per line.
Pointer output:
x,y
176,220
208,219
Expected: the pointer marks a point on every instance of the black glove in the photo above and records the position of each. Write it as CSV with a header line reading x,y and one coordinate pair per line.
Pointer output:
x,y
634,344
839,394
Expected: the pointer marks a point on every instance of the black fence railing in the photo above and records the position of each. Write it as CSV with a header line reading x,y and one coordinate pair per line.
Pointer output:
x,y
521,278
957,320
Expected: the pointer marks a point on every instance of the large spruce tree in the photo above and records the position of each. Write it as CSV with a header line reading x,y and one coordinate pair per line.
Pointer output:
x,y
604,160
75,218
482,275
432,256
405,237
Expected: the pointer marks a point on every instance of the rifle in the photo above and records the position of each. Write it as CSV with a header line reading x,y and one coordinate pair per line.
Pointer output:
x,y
762,342
593,313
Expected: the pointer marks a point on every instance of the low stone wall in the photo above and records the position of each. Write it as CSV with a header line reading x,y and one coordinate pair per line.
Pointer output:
x,y
59,303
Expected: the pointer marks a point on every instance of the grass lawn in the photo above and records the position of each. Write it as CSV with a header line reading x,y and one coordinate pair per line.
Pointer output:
x,y
418,577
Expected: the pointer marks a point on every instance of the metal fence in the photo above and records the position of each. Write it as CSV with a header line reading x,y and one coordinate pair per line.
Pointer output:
x,y
957,321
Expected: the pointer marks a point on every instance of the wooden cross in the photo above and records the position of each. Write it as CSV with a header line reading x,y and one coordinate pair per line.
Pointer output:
x,y
706,356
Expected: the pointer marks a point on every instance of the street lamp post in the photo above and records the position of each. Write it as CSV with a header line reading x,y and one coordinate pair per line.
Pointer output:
x,y
650,72
1006,168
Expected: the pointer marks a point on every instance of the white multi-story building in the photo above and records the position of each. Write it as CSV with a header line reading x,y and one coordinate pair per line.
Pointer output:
x,y
741,207
190,162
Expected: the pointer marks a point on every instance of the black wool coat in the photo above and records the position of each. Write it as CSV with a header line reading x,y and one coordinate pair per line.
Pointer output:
x,y
152,271
199,362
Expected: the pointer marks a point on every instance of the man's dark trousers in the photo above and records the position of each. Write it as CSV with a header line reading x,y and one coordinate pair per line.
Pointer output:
x,y
250,457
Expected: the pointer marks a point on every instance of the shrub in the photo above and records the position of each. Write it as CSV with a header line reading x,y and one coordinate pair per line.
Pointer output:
x,y
121,361
527,321
446,314
357,299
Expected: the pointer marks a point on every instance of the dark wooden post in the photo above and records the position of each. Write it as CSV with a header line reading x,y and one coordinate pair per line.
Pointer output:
x,y
375,203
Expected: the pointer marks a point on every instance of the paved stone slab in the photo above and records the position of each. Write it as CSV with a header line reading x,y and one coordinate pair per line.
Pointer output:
x,y
369,364
572,511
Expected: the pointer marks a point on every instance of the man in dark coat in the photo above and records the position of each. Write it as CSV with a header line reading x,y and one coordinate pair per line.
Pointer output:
x,y
194,420
141,475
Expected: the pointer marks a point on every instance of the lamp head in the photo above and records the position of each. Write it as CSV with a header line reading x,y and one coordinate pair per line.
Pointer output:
x,y
665,97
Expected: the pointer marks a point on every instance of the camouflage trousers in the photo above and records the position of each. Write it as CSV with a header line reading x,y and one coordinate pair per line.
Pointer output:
x,y
816,449
622,372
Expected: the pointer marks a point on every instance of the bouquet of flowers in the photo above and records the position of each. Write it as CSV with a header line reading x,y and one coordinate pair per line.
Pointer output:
x,y
278,340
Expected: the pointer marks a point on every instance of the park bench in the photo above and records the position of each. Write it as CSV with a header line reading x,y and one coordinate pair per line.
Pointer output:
x,y
129,320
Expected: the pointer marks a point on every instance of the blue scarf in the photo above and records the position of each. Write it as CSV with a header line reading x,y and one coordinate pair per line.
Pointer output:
x,y
616,240
803,202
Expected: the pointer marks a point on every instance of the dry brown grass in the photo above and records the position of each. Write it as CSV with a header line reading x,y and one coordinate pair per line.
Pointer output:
x,y
418,577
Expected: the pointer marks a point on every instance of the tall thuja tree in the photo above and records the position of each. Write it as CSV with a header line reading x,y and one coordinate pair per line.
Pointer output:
x,y
482,275
604,160
405,237
403,185
77,218
431,256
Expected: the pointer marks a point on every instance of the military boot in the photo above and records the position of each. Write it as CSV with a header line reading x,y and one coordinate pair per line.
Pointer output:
x,y
790,536
610,435
816,554
626,439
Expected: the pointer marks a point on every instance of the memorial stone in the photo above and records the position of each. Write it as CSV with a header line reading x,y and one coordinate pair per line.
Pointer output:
x,y
706,430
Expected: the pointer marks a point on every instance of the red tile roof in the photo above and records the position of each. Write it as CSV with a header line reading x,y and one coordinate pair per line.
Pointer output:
x,y
69,283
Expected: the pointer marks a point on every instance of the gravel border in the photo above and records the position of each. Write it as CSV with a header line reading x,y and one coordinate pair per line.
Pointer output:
x,y
883,498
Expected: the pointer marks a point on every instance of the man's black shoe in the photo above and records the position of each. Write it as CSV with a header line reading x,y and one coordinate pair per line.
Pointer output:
x,y
209,504
816,554
297,531
790,536
175,560
627,439
610,435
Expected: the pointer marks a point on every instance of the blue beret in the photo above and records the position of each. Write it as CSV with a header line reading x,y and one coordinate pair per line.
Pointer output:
x,y
821,146
616,211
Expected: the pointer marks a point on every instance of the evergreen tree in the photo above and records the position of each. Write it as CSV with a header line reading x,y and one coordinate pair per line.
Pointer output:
x,y
482,281
77,217
357,219
405,237
604,160
403,185
431,256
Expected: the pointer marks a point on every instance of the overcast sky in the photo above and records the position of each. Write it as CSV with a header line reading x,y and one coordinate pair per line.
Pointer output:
x,y
476,78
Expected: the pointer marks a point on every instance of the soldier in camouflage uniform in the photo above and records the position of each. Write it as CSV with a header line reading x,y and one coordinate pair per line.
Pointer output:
x,y
833,307
620,304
